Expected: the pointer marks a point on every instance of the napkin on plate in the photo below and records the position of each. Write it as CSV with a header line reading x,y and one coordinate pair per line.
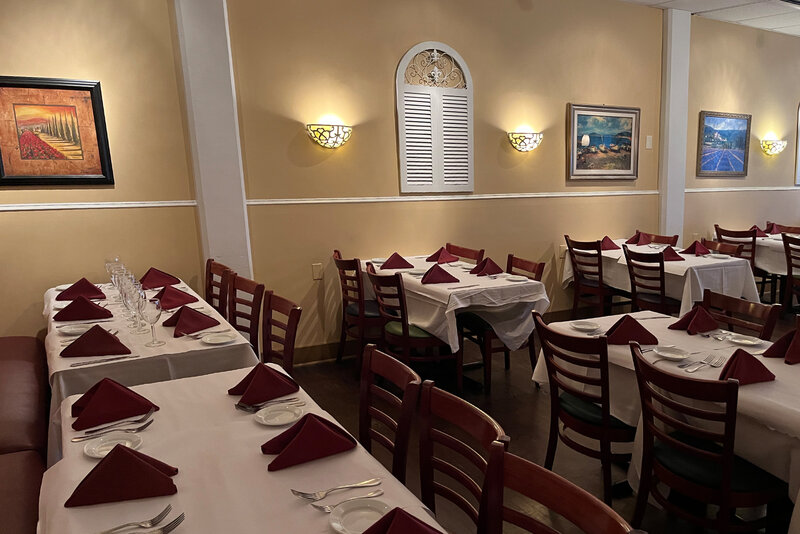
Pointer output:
x,y
97,341
437,275
696,248
188,321
745,368
608,244
695,321
82,309
396,261
398,521
671,255
154,278
486,267
82,287
442,256
124,475
108,401
172,298
759,231
628,329
787,347
310,438
263,383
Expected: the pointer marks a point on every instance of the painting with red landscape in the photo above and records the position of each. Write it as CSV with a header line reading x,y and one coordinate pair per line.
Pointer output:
x,y
52,132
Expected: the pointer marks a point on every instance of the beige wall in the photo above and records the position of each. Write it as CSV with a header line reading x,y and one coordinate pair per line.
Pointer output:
x,y
129,47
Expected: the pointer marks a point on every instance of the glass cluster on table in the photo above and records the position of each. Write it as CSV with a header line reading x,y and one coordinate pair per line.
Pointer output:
x,y
138,308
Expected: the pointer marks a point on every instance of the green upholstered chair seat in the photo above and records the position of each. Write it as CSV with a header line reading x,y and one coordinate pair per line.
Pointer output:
x,y
396,328
371,308
588,412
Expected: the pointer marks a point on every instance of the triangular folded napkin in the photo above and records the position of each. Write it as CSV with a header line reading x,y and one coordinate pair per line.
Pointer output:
x,y
81,288
442,256
188,321
437,275
608,244
108,401
396,261
124,475
486,267
97,341
745,368
154,278
263,383
695,321
310,438
787,347
82,309
628,329
696,248
398,521
775,228
759,231
639,238
172,298
671,255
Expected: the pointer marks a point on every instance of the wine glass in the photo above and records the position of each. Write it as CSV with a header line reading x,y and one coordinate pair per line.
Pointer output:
x,y
151,313
141,300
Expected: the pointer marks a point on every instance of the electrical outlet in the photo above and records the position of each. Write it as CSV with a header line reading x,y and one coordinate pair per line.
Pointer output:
x,y
316,271
648,143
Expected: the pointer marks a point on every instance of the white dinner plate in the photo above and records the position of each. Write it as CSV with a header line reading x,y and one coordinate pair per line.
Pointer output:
x,y
99,447
671,353
220,338
60,305
74,329
517,278
747,341
378,260
354,517
719,256
584,326
279,415
417,272
62,287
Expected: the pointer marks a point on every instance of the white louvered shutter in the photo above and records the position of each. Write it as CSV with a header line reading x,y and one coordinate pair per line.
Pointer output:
x,y
456,141
417,145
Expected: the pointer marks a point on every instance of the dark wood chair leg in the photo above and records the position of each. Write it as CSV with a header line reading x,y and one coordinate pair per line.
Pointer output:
x,y
486,352
575,298
605,466
552,441
643,493
342,341
460,370
507,354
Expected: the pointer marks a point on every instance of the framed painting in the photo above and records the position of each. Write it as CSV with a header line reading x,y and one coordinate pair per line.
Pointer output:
x,y
602,142
723,144
52,132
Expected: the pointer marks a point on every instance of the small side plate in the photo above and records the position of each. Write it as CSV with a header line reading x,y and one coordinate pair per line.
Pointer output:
x,y
62,287
673,354
99,447
584,326
74,329
517,278
278,415
378,260
747,341
220,338
417,272
354,517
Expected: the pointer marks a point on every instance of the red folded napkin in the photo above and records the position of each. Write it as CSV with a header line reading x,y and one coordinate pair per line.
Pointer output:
x,y
81,288
97,341
398,521
628,329
437,275
82,309
769,227
696,248
396,261
775,228
787,347
486,267
442,256
745,368
608,244
263,383
108,401
188,321
671,255
172,298
124,475
759,231
310,438
632,240
695,321
154,278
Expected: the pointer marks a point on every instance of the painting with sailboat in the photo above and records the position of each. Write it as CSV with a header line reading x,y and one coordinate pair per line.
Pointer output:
x,y
603,142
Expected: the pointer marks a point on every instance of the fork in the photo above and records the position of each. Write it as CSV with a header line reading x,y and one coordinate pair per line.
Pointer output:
x,y
715,362
253,408
318,495
169,527
202,333
143,524
327,508
690,368
141,419
76,439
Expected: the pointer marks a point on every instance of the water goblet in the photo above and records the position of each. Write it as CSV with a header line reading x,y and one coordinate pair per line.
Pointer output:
x,y
151,313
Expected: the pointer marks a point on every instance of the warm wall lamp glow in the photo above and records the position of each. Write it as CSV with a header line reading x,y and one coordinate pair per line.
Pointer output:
x,y
525,139
771,145
329,135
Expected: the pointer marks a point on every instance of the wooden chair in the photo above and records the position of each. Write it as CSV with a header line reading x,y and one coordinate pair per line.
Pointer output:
x,y
784,229
648,286
758,319
587,264
577,370
747,238
723,248
407,342
361,318
393,410
455,438
689,429
279,330
476,329
218,281
791,248
576,505
671,240
244,307
463,252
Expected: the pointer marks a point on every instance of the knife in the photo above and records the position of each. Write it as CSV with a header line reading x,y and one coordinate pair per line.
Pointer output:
x,y
87,322
90,362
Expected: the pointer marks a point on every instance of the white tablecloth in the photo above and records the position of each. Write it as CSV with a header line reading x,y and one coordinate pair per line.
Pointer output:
x,y
223,482
768,421
770,255
505,305
685,280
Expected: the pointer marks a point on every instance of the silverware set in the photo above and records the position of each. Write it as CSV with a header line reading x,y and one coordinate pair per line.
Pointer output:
x,y
201,334
136,421
104,360
711,360
149,523
135,430
314,496
87,322
69,341
253,408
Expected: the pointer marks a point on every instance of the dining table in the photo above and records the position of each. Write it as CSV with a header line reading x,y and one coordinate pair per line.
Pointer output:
x,y
223,483
504,300
768,413
770,255
684,280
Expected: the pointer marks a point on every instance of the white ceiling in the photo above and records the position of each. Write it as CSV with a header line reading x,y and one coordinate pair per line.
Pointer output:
x,y
774,15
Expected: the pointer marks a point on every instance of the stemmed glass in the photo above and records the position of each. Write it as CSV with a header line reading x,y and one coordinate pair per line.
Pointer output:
x,y
141,302
151,312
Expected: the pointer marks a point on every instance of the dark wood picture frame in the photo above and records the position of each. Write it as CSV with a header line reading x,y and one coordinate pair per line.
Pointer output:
x,y
586,146
88,138
724,148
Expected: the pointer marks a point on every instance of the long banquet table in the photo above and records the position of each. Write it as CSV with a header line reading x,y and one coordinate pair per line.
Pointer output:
x,y
223,482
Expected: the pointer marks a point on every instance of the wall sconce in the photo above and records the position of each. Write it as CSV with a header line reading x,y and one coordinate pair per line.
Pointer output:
x,y
329,135
771,145
525,141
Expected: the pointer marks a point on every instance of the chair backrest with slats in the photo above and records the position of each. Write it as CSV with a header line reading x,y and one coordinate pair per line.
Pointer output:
x,y
723,248
746,238
350,277
523,267
218,281
646,272
455,439
391,296
587,259
671,240
464,252
738,313
389,397
279,330
791,248
244,307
